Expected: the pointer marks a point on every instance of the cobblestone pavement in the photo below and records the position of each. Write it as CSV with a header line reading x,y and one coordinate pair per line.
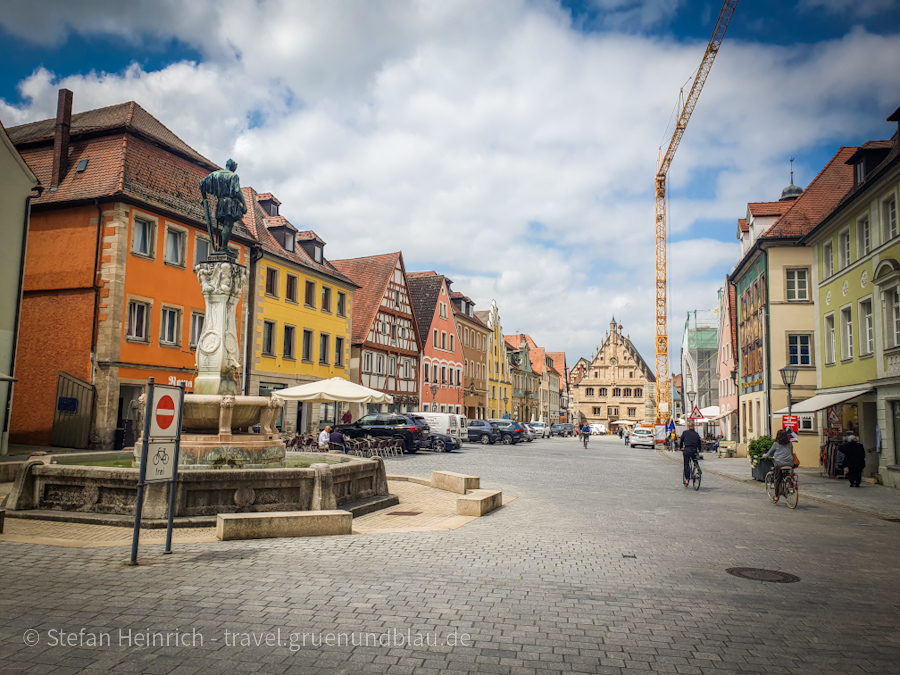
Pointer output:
x,y
603,564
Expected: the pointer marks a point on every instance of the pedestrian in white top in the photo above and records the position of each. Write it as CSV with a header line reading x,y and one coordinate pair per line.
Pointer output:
x,y
324,437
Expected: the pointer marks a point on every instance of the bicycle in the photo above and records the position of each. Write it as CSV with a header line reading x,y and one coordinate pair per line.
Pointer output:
x,y
584,439
696,474
784,484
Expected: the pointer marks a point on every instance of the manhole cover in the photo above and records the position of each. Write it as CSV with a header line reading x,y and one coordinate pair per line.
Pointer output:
x,y
757,574
405,513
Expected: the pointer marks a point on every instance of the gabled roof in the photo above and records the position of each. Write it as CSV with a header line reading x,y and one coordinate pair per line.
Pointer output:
x,y
742,225
372,274
309,235
255,220
424,291
762,209
819,198
471,319
279,221
868,146
122,117
483,315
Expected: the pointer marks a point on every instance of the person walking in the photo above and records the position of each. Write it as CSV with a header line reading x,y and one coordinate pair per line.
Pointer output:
x,y
854,460
690,447
782,454
627,434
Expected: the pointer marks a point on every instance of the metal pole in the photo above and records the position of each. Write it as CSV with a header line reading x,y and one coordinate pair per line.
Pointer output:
x,y
174,484
789,399
142,473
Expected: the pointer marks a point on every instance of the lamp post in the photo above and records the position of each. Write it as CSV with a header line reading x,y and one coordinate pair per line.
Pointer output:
x,y
789,377
434,390
692,396
505,402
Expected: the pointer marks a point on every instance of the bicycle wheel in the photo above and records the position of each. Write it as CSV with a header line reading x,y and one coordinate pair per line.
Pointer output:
x,y
791,493
770,486
585,440
696,475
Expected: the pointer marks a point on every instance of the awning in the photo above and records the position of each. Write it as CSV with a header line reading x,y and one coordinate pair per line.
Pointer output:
x,y
822,401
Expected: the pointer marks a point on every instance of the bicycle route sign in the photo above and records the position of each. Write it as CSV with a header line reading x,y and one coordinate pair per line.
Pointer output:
x,y
165,420
160,461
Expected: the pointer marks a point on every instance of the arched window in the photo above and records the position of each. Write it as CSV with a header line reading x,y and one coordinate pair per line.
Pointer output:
x,y
627,392
604,391
617,392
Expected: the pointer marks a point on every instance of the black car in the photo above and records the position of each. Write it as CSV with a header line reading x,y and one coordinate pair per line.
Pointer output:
x,y
481,431
440,442
557,430
511,432
412,430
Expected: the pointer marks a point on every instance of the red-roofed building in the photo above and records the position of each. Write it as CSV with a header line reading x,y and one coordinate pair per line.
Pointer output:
x,y
443,361
775,305
386,350
109,290
475,337
727,363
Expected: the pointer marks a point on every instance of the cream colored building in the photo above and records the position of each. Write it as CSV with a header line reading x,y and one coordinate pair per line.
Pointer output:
x,y
617,385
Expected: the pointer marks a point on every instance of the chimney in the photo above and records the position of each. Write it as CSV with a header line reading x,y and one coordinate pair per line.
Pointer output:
x,y
61,137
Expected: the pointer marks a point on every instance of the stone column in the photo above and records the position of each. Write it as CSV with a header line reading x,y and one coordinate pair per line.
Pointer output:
x,y
218,354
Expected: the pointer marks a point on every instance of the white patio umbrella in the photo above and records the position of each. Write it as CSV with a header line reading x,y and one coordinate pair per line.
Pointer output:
x,y
334,389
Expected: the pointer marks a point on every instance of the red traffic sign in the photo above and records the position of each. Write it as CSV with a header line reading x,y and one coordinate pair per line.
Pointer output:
x,y
165,411
696,414
790,422
165,420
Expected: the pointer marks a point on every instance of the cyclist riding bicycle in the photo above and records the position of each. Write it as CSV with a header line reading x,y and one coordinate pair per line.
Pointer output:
x,y
782,454
585,434
690,447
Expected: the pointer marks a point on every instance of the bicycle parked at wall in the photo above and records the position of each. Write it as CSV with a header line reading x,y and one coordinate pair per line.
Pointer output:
x,y
783,485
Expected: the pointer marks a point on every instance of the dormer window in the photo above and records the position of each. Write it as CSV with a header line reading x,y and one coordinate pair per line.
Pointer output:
x,y
859,171
318,254
289,244
272,208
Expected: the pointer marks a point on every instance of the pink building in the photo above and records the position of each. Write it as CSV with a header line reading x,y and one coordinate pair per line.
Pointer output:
x,y
728,397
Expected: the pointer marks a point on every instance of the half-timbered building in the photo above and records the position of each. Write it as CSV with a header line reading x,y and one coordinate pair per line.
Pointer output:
x,y
385,347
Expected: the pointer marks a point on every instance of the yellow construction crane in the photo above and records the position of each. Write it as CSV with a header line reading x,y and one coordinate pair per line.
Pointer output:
x,y
663,390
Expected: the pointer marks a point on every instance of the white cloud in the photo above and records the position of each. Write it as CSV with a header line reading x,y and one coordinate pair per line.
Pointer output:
x,y
448,129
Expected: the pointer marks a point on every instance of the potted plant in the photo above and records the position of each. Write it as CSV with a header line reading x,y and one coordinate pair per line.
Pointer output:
x,y
757,450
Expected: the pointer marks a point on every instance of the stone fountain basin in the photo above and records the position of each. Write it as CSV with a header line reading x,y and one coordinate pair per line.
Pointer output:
x,y
201,412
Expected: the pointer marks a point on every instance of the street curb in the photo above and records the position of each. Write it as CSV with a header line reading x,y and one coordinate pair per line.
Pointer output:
x,y
815,500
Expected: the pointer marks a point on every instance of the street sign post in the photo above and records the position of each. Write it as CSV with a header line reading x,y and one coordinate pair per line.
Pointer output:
x,y
696,414
791,422
159,453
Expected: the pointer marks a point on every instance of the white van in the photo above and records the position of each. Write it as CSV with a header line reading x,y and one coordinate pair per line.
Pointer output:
x,y
443,423
463,427
598,429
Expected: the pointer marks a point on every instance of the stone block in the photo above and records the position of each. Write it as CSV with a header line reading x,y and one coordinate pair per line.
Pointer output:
x,y
230,526
479,502
454,482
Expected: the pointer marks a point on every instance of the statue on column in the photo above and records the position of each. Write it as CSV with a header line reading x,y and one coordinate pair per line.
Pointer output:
x,y
225,186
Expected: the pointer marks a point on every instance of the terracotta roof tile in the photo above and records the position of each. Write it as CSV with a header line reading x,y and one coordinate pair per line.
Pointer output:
x,y
472,319
278,221
819,198
372,274
424,291
759,209
269,197
309,235
742,225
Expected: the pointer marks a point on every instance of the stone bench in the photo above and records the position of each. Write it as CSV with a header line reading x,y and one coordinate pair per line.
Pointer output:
x,y
479,502
454,482
272,524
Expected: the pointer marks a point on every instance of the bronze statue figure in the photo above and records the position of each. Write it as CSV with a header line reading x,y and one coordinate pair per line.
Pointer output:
x,y
225,186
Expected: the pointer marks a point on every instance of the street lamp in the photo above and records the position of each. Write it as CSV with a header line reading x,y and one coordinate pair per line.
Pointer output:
x,y
789,377
434,390
505,402
692,398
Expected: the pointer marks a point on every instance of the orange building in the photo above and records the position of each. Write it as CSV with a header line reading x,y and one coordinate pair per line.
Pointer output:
x,y
110,296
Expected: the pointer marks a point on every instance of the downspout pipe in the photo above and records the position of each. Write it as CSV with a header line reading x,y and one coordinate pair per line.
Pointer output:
x,y
767,327
4,448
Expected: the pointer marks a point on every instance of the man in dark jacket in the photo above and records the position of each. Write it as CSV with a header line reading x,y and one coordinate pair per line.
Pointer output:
x,y
690,446
854,460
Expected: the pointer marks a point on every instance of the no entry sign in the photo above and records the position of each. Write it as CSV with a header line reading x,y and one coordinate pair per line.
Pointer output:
x,y
165,419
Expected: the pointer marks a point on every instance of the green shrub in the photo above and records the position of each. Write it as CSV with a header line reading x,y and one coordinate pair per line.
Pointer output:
x,y
759,447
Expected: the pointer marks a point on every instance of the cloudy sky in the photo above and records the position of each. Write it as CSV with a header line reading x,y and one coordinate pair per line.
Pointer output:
x,y
510,144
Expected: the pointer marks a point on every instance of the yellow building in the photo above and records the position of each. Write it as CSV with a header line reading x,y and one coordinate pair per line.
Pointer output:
x,y
499,389
302,308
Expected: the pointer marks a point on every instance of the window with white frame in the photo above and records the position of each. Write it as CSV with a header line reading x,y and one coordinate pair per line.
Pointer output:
x,y
451,342
866,328
844,249
201,250
895,316
137,327
799,350
889,217
436,339
197,319
392,366
797,286
175,246
367,362
443,310
846,334
443,340
806,423
407,370
170,326
268,339
829,339
863,236
827,260
142,237
289,349
379,364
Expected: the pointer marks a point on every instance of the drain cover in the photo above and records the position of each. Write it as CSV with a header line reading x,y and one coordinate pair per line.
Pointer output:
x,y
405,513
757,574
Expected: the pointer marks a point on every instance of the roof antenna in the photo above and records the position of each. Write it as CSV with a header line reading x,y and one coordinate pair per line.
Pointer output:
x,y
792,170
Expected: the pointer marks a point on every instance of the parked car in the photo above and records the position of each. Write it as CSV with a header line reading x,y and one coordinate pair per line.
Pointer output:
x,y
482,431
529,433
540,429
641,436
511,432
557,430
412,429
440,442
570,429
443,423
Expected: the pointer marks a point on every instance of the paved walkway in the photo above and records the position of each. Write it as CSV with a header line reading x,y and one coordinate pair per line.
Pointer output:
x,y
603,564
871,499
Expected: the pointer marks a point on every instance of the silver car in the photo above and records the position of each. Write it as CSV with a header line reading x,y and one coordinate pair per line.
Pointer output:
x,y
540,429
530,435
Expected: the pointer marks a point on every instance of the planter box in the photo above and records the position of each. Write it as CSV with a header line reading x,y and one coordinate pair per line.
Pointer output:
x,y
761,469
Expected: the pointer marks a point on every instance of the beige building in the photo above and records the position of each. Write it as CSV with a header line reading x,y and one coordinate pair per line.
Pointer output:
x,y
616,385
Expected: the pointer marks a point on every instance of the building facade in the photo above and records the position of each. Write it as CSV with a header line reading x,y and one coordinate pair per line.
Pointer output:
x,y
558,361
526,383
302,309
385,347
616,386
474,336
443,362
499,395
727,363
699,359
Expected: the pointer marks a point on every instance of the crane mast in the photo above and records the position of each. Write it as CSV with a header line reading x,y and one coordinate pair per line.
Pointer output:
x,y
663,391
